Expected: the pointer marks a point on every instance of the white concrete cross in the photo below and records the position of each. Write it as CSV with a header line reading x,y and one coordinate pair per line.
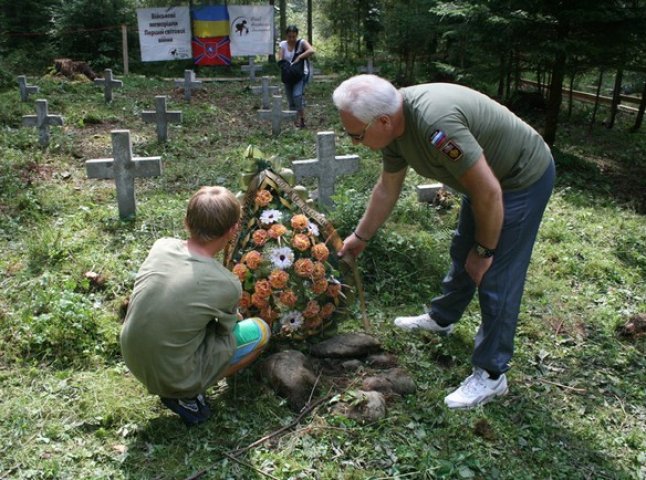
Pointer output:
x,y
108,83
251,67
42,120
276,115
161,117
264,89
326,167
25,89
189,83
124,168
370,68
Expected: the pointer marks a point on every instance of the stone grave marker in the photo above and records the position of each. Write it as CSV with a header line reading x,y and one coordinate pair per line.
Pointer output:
x,y
370,68
326,167
427,193
161,117
189,83
124,168
251,67
276,115
265,90
108,82
42,120
25,89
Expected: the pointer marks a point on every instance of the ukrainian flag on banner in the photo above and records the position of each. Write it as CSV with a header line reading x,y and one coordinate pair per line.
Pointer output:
x,y
211,45
210,21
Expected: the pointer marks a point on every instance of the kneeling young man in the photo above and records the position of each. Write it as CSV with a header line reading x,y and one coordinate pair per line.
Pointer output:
x,y
181,333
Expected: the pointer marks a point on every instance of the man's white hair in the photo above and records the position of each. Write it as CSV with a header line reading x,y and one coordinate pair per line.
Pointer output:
x,y
366,97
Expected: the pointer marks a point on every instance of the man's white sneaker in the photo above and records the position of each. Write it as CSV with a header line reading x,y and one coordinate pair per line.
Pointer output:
x,y
423,322
477,389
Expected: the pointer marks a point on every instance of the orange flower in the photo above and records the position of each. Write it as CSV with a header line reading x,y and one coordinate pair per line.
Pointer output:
x,y
314,322
240,271
288,298
320,252
301,242
263,198
252,259
312,309
268,314
260,237
327,310
320,286
278,278
277,230
334,290
299,222
304,267
259,301
262,288
245,301
319,271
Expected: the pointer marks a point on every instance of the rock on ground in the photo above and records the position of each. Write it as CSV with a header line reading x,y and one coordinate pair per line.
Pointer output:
x,y
347,345
291,375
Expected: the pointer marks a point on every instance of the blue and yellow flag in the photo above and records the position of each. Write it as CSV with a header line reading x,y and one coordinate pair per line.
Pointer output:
x,y
210,21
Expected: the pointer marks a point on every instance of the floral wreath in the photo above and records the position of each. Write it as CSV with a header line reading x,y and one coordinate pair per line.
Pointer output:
x,y
285,255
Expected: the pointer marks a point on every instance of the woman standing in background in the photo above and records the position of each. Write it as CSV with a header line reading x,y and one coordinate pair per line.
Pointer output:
x,y
296,50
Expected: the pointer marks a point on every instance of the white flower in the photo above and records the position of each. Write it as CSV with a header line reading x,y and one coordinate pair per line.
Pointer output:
x,y
292,321
281,257
270,216
313,228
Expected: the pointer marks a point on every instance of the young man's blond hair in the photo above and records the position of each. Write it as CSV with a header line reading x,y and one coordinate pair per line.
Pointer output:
x,y
211,212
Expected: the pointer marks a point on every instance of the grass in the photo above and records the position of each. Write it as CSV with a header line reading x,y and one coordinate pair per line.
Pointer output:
x,y
70,409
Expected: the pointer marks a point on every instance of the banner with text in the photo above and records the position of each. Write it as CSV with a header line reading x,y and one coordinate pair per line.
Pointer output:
x,y
251,30
164,33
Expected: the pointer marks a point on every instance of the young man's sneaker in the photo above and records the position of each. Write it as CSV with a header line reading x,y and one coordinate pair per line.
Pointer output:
x,y
191,410
477,389
423,322
204,406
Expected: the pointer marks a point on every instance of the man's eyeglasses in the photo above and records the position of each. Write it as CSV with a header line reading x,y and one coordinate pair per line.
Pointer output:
x,y
360,136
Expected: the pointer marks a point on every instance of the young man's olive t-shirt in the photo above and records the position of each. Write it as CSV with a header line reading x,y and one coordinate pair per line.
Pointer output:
x,y
177,337
448,127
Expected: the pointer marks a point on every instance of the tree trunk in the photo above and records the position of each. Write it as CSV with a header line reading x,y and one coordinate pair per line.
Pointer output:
x,y
517,70
569,99
640,112
501,76
309,23
272,56
282,6
616,98
596,100
555,97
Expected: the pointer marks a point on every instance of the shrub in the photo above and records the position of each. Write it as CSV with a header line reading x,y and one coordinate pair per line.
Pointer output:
x,y
398,266
60,326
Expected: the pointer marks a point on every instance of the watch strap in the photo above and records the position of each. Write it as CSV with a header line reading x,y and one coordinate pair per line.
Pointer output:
x,y
483,251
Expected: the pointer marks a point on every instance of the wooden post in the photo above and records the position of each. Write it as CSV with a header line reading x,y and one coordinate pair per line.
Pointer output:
x,y
124,42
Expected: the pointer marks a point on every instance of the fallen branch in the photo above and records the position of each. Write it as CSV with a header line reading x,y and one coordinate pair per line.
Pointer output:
x,y
233,454
248,465
574,389
295,422
557,330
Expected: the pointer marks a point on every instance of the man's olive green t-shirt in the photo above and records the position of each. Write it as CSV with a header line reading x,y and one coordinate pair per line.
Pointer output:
x,y
177,337
448,127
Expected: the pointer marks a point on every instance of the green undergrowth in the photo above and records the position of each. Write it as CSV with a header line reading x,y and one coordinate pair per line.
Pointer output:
x,y
70,409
